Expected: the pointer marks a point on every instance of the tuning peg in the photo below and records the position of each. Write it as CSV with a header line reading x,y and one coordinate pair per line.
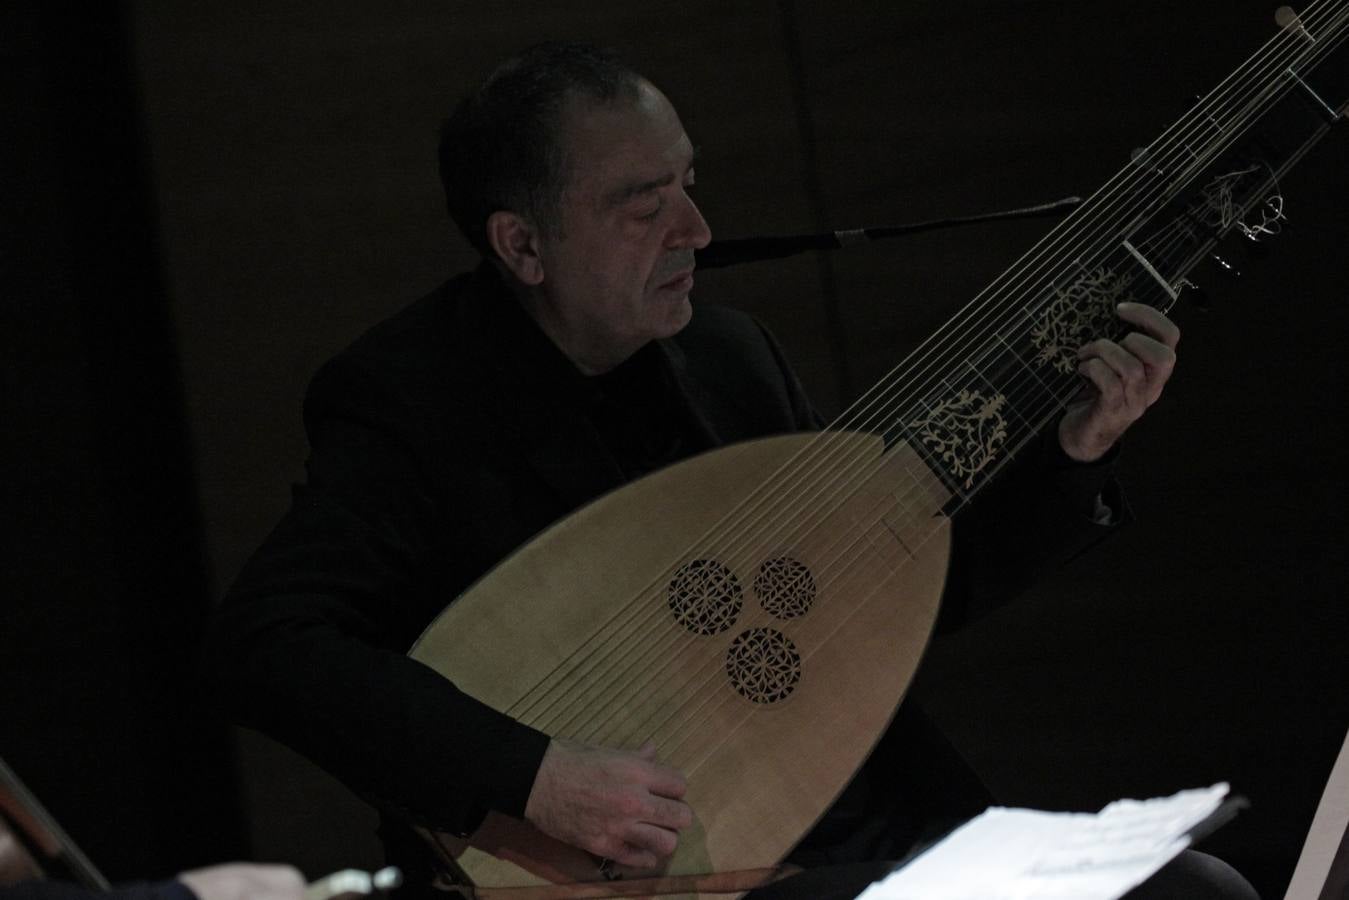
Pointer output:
x,y
1225,266
1288,19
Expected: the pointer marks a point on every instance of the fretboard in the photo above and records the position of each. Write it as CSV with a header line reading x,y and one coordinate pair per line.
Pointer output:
x,y
1004,367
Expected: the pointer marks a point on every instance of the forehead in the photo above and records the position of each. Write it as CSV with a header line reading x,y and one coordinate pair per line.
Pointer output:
x,y
611,145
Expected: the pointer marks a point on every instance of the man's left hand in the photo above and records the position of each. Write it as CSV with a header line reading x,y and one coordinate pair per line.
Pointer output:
x,y
1123,378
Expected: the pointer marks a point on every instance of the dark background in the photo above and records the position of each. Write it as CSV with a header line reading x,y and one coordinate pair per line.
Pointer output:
x,y
204,201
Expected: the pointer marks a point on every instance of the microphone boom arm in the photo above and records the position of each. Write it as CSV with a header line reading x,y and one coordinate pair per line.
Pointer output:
x,y
752,249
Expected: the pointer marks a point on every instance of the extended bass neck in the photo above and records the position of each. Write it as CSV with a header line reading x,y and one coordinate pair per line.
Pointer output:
x,y
759,611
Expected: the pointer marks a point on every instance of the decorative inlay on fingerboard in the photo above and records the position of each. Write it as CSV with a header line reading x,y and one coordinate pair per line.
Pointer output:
x,y
965,431
1216,205
1081,312
1234,199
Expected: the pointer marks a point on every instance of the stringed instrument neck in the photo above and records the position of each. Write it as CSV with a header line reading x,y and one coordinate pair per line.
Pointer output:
x,y
762,629
990,380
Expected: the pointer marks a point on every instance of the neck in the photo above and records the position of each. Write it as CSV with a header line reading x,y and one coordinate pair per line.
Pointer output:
x,y
592,350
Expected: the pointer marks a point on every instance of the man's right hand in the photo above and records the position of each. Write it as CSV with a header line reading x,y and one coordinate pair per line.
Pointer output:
x,y
617,804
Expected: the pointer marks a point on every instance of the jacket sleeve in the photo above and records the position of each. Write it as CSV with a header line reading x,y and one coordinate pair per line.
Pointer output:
x,y
1042,512
309,644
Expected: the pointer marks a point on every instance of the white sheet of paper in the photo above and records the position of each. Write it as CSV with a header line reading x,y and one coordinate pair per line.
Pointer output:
x,y
1025,854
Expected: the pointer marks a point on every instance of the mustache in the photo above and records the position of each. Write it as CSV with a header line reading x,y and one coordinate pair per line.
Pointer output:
x,y
677,262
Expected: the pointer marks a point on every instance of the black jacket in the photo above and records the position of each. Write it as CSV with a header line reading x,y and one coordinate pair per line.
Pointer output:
x,y
443,439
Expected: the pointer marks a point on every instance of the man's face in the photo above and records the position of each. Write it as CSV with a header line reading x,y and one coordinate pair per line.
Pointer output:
x,y
620,273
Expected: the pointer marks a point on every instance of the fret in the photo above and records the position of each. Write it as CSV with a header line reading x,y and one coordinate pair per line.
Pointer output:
x,y
1079,311
1025,361
1011,372
1142,261
1026,338
908,514
1146,283
1134,242
988,377
962,425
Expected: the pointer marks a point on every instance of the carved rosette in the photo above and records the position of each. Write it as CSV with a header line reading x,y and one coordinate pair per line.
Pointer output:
x,y
1081,312
965,432
705,596
764,665
785,587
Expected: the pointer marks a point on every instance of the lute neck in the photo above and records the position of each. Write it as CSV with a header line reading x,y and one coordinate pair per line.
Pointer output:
x,y
989,381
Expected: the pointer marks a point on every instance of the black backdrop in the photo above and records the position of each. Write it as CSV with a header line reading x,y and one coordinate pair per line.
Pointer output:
x,y
207,200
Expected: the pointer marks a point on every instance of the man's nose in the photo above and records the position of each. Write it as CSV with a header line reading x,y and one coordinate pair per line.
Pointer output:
x,y
691,230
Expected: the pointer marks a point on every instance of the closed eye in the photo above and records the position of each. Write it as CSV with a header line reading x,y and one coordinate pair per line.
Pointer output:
x,y
687,184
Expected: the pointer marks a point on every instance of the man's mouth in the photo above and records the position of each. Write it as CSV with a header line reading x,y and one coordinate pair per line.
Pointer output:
x,y
682,281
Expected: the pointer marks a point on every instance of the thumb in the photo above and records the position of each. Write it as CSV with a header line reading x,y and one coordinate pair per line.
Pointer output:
x,y
647,750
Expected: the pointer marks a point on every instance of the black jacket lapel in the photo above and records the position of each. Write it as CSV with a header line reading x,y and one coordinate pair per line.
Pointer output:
x,y
542,400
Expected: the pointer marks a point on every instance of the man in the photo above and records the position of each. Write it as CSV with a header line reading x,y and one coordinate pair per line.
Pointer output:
x,y
571,362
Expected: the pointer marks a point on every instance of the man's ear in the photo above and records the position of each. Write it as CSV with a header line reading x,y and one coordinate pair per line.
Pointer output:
x,y
516,241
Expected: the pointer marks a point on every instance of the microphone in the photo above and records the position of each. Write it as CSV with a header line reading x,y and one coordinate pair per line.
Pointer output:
x,y
752,249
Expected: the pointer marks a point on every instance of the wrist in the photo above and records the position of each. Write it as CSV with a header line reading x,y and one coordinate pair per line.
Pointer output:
x,y
1081,450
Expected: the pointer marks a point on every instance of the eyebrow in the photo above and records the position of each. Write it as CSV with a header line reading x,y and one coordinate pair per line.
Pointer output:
x,y
622,194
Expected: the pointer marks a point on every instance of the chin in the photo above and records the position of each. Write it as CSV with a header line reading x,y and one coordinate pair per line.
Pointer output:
x,y
679,315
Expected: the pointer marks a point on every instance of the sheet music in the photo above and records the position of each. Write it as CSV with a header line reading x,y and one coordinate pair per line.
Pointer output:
x,y
1025,854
